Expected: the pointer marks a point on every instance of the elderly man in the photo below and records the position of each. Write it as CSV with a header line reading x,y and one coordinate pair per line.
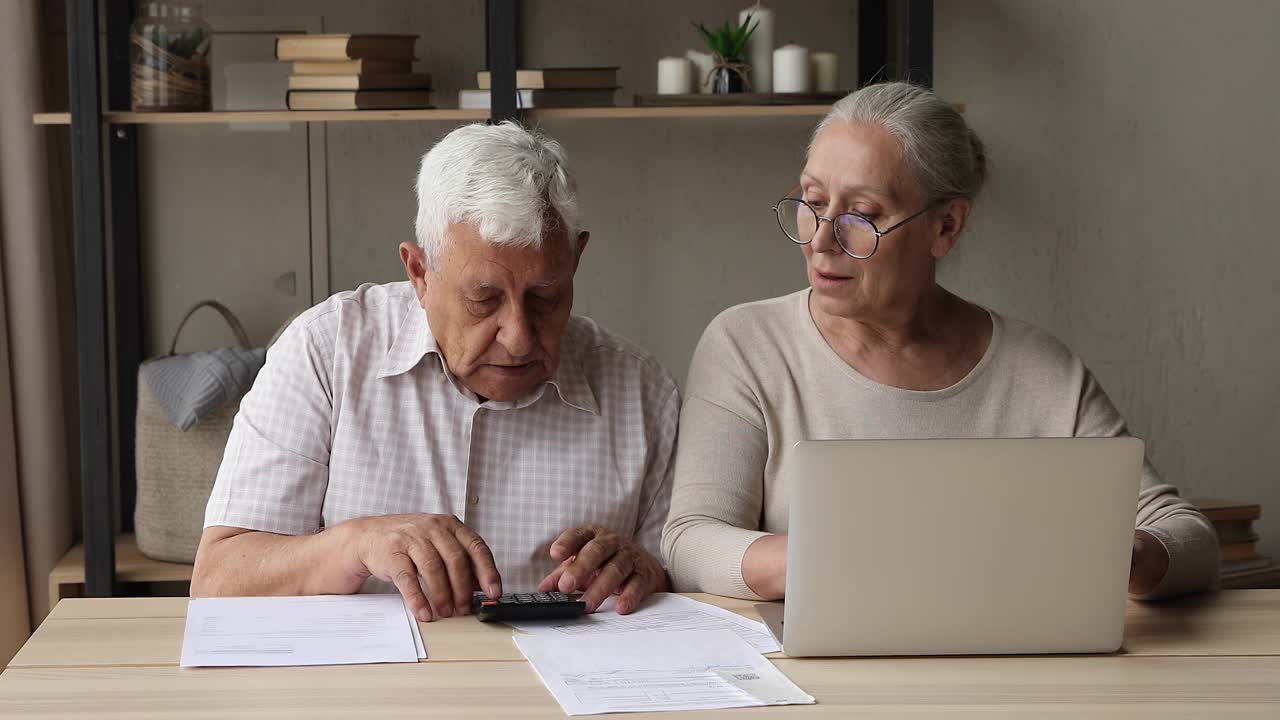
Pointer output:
x,y
459,430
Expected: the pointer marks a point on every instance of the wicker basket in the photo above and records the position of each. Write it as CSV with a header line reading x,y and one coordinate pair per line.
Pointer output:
x,y
176,469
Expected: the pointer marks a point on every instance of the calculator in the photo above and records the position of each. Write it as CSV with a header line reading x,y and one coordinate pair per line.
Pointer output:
x,y
512,607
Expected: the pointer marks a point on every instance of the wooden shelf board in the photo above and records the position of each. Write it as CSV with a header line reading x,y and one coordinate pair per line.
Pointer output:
x,y
692,111
131,566
621,112
269,116
261,116
451,114
52,118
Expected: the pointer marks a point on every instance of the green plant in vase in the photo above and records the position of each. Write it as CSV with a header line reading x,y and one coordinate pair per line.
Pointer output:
x,y
728,44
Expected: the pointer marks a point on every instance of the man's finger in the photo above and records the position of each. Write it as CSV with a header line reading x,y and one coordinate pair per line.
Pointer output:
x,y
571,541
402,571
591,558
552,580
458,564
482,563
434,576
634,591
610,578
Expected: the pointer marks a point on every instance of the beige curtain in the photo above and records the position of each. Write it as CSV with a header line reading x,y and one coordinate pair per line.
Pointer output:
x,y
37,505
14,606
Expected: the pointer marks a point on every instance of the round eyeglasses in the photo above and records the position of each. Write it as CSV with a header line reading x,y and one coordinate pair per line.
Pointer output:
x,y
857,236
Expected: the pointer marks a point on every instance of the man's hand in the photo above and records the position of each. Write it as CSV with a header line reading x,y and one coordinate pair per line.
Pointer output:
x,y
452,560
600,563
1149,564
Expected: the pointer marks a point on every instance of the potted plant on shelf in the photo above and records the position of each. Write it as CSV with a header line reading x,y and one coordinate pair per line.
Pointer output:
x,y
728,44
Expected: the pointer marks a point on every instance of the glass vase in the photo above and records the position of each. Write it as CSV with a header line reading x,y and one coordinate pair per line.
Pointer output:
x,y
169,46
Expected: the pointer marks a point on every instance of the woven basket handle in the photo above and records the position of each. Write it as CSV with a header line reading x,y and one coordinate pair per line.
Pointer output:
x,y
242,337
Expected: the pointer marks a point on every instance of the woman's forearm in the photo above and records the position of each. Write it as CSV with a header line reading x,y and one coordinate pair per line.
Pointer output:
x,y
717,500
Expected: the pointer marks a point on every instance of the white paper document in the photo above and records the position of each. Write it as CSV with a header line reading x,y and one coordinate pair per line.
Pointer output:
x,y
662,613
320,630
417,633
646,671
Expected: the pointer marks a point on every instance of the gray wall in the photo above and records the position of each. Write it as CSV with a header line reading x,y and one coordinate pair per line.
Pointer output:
x,y
1133,154
1132,212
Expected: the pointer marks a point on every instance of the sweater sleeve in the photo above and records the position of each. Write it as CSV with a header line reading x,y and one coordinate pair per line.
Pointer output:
x,y
717,496
1183,530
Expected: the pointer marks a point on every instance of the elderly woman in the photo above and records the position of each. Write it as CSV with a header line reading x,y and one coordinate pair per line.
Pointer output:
x,y
876,348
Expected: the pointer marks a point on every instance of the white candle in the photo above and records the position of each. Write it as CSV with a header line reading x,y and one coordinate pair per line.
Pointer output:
x,y
702,64
760,47
791,69
824,71
675,76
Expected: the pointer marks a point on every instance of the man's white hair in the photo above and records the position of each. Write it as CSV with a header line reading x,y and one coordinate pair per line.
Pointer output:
x,y
512,183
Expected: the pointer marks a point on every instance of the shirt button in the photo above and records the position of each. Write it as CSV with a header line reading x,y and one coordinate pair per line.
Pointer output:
x,y
474,499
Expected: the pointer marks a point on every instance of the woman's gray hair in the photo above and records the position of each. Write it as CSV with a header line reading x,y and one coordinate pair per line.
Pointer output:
x,y
945,155
512,183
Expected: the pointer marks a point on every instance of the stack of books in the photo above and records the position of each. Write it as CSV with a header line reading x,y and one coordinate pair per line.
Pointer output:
x,y
550,88
1242,565
353,72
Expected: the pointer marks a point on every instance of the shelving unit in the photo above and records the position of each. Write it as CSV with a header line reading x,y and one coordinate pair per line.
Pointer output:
x,y
894,41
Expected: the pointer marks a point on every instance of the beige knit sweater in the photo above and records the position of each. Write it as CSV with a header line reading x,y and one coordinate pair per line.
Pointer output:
x,y
763,377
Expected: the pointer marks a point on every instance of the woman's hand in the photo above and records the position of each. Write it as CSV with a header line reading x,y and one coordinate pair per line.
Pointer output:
x,y
764,567
1149,564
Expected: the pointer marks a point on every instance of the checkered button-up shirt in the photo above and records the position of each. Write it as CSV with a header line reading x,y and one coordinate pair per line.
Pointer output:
x,y
356,414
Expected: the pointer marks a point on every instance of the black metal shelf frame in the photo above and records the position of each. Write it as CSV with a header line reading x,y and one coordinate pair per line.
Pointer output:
x,y
894,41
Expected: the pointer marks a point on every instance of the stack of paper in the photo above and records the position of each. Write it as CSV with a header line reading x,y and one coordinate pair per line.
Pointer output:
x,y
645,671
673,653
320,630
661,613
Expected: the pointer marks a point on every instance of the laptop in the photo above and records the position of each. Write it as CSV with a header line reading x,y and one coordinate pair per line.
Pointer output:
x,y
957,547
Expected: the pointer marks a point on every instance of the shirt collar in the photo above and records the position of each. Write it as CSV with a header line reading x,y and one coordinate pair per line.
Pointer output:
x,y
570,381
414,341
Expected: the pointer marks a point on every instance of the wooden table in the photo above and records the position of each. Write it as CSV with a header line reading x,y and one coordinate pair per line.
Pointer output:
x,y
1214,656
